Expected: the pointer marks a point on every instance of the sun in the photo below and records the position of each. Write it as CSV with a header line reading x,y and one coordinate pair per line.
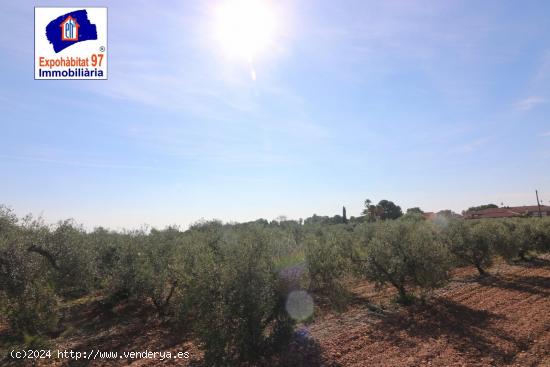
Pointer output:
x,y
246,29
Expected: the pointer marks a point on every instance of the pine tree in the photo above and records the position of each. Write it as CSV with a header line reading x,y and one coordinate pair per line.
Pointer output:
x,y
345,218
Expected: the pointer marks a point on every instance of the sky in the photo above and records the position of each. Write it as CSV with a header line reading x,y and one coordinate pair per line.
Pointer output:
x,y
436,104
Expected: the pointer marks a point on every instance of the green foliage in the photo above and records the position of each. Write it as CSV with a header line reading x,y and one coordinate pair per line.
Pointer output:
x,y
316,220
238,311
67,249
33,311
27,296
474,242
385,209
413,217
229,283
152,268
524,237
388,210
328,261
482,207
12,266
415,210
35,342
543,229
405,254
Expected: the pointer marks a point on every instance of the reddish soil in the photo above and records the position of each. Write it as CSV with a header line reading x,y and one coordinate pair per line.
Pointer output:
x,y
499,320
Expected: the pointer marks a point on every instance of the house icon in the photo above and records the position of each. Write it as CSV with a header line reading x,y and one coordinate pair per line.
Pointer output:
x,y
69,29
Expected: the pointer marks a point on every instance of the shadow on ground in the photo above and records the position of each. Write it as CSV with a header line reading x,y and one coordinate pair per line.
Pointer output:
x,y
528,284
536,262
304,351
469,331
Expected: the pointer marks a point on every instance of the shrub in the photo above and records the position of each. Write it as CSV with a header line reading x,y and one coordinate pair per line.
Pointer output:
x,y
404,254
239,313
27,296
474,242
66,249
146,268
34,311
327,257
543,228
525,236
12,275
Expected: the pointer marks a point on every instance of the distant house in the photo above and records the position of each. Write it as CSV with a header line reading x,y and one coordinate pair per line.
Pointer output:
x,y
442,213
509,212
429,215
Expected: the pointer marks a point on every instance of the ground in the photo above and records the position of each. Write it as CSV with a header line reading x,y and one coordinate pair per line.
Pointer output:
x,y
499,320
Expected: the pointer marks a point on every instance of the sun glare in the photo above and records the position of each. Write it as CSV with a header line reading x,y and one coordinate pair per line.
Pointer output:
x,y
246,28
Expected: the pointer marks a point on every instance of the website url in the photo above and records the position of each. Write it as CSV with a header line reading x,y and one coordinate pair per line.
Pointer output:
x,y
95,354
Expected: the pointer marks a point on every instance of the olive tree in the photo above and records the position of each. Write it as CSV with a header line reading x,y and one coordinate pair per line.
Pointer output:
x,y
27,293
474,242
143,268
543,228
328,261
525,236
239,313
405,254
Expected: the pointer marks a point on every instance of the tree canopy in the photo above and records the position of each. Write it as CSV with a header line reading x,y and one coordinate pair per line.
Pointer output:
x,y
385,209
481,207
415,210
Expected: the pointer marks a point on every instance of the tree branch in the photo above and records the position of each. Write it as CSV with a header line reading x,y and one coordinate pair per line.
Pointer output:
x,y
46,254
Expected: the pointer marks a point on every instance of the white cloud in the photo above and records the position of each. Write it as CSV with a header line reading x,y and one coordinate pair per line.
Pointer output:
x,y
472,146
544,70
76,162
529,103
545,134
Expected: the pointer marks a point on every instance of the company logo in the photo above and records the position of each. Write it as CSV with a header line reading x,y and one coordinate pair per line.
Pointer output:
x,y
70,43
70,28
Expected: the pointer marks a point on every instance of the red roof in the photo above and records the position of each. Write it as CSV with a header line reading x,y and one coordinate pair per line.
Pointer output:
x,y
432,215
515,211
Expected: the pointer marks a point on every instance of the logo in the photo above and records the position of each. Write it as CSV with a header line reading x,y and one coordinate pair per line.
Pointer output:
x,y
69,29
70,43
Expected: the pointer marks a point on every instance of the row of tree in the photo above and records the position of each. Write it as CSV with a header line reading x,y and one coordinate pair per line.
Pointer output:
x,y
384,210
413,253
230,283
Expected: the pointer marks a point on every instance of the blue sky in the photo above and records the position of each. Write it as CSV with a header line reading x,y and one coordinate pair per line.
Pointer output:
x,y
437,104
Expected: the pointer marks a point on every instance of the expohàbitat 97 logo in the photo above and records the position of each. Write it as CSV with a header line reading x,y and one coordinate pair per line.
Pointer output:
x,y
70,43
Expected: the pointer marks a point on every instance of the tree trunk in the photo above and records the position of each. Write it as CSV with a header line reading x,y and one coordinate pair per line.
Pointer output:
x,y
480,270
161,306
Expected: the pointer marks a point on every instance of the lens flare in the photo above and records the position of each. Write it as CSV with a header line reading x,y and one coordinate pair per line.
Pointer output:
x,y
299,305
